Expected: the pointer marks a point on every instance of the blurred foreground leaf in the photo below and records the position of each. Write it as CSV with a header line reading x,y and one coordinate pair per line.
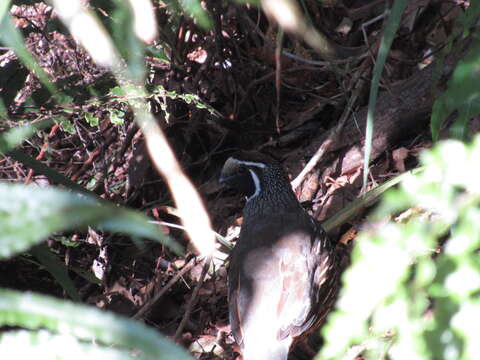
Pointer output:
x,y
12,37
29,214
195,10
415,279
77,327
463,93
14,136
57,268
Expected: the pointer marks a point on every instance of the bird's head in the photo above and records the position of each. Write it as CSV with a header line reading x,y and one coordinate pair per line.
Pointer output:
x,y
253,174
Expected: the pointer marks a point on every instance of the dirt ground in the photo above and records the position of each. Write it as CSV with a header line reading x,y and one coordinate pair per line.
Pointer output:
x,y
242,99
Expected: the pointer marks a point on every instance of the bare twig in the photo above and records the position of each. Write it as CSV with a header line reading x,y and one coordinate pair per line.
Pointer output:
x,y
149,304
335,133
193,299
221,239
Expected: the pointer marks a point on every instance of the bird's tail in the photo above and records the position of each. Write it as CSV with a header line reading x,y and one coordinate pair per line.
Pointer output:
x,y
276,350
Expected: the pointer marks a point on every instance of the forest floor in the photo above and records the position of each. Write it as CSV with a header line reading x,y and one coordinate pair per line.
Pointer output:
x,y
222,90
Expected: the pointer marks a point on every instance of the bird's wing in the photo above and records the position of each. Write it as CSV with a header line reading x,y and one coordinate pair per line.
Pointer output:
x,y
277,285
309,282
295,301
235,299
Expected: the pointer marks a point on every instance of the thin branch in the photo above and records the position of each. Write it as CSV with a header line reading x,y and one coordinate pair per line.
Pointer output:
x,y
193,299
149,304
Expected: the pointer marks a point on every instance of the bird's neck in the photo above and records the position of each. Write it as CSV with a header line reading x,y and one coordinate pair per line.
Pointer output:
x,y
270,201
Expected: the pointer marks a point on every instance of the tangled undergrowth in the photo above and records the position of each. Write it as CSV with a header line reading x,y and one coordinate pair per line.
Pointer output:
x,y
213,92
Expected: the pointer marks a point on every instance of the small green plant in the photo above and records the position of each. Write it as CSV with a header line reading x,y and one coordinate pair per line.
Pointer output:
x,y
27,216
91,119
62,330
413,289
462,96
42,325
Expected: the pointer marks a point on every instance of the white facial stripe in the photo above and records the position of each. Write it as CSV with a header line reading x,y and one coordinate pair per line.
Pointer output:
x,y
256,181
250,163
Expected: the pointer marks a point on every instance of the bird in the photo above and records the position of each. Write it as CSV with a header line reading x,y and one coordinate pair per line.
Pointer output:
x,y
283,272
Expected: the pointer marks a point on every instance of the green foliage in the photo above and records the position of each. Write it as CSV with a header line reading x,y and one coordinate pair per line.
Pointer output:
x,y
353,209
129,93
117,116
73,327
4,6
54,328
29,214
15,136
159,92
66,125
158,52
49,346
195,10
392,25
463,93
417,282
11,36
91,119
56,268
3,109
127,43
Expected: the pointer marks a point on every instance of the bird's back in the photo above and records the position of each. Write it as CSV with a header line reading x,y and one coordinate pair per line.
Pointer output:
x,y
276,279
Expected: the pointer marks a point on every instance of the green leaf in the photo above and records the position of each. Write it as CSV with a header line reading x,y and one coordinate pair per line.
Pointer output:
x,y
417,277
57,268
195,10
3,109
117,117
15,136
45,345
66,125
462,94
355,207
12,37
159,53
117,91
33,311
387,39
29,214
127,43
4,6
91,119
41,168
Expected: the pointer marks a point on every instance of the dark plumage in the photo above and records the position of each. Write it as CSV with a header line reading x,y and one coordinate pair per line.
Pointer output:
x,y
284,270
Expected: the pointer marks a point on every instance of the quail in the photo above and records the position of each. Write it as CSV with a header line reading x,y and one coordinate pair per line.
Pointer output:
x,y
284,269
